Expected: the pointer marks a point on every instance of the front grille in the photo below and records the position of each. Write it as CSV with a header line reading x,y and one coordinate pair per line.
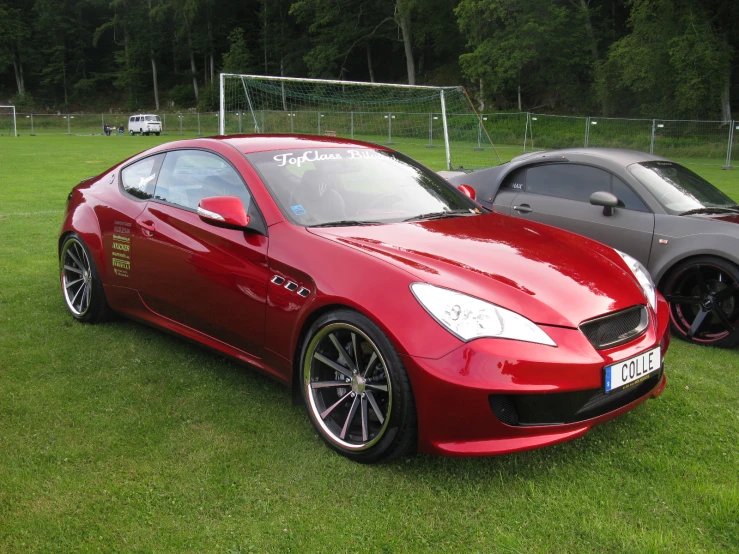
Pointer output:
x,y
565,407
616,328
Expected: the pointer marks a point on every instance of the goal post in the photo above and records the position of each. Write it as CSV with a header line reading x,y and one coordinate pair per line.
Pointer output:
x,y
408,118
8,122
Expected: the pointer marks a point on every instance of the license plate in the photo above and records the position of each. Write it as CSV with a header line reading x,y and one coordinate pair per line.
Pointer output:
x,y
632,370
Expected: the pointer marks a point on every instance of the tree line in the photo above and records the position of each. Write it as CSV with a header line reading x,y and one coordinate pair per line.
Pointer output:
x,y
630,58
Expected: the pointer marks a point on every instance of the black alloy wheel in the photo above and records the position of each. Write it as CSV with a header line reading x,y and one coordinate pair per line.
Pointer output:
x,y
704,301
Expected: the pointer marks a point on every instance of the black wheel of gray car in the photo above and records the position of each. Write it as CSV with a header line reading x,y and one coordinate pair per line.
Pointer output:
x,y
82,287
704,301
356,389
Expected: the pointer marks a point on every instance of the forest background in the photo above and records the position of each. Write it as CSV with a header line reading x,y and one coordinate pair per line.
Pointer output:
x,y
625,58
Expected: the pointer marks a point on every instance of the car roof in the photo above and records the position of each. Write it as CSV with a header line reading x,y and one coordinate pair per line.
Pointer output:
x,y
261,143
621,156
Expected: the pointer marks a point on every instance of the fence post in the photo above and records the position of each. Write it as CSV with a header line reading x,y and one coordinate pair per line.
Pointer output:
x,y
526,131
263,128
654,131
199,133
389,128
351,123
69,125
479,133
319,123
731,143
431,132
102,121
240,122
32,133
587,131
180,114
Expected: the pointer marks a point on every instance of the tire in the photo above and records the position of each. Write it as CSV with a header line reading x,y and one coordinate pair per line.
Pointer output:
x,y
704,301
131,133
82,287
157,134
367,416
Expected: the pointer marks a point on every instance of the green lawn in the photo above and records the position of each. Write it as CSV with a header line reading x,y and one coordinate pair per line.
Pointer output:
x,y
120,438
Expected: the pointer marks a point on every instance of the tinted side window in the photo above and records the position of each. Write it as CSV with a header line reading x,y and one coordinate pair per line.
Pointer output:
x,y
627,196
571,181
140,178
188,176
516,180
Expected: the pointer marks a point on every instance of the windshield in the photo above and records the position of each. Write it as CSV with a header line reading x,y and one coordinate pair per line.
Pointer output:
x,y
152,118
677,188
345,186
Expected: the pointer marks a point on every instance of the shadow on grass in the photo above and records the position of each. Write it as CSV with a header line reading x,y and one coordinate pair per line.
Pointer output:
x,y
239,380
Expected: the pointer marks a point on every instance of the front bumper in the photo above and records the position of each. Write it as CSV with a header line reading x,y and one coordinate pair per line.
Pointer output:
x,y
458,395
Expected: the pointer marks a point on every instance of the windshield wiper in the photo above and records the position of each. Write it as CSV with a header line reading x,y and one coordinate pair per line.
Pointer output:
x,y
345,223
713,210
439,215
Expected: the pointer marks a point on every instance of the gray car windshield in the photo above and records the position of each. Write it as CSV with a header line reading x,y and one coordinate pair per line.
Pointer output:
x,y
677,188
356,186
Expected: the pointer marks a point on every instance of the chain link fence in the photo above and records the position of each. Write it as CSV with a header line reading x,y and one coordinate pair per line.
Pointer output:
x,y
699,142
691,141
173,124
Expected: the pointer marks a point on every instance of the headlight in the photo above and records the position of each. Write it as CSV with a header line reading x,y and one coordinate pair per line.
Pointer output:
x,y
470,318
642,275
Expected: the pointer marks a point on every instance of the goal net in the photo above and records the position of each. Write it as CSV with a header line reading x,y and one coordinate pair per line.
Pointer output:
x,y
436,125
8,127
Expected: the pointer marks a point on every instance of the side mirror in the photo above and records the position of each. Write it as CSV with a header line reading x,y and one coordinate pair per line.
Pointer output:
x,y
223,211
467,191
605,199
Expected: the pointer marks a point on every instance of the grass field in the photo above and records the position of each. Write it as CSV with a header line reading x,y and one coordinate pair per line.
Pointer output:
x,y
120,438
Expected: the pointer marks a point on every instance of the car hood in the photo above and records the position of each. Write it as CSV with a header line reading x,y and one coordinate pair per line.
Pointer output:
x,y
550,276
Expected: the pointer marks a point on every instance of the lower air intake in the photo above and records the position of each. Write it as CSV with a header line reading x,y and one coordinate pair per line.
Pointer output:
x,y
504,409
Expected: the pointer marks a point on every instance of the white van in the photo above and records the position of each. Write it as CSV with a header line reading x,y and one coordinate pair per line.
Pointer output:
x,y
144,124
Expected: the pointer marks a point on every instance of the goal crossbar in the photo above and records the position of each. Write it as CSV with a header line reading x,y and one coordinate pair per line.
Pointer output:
x,y
332,81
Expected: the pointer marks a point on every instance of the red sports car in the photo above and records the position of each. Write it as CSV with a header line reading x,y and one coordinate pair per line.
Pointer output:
x,y
401,313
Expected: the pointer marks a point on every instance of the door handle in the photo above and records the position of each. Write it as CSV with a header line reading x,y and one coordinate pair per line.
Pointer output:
x,y
523,208
148,227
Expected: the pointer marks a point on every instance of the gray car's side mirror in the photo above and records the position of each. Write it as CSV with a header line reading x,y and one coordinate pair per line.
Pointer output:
x,y
605,199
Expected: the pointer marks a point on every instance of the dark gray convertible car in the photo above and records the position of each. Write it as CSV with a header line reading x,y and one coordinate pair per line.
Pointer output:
x,y
677,224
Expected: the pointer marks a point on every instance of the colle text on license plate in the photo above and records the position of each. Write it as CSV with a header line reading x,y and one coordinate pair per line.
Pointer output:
x,y
632,370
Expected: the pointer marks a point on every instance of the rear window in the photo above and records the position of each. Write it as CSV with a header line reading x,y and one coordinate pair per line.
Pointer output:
x,y
139,179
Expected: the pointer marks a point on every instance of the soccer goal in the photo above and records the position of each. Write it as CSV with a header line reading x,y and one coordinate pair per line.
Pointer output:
x,y
8,126
437,125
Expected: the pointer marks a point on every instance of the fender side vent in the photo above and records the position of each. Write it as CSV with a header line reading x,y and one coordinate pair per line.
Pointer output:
x,y
277,280
304,292
291,286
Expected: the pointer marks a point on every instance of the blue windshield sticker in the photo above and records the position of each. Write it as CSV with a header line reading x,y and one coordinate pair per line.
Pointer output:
x,y
298,210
